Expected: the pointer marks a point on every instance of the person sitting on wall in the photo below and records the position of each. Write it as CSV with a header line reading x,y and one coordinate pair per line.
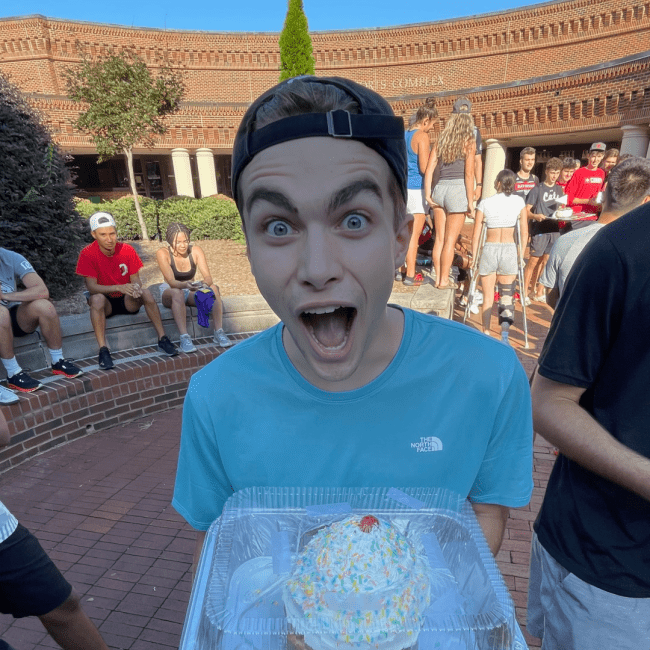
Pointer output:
x,y
111,271
21,312
178,264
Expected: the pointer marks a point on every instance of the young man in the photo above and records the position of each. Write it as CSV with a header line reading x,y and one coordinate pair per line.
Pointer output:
x,y
609,160
541,204
31,584
567,171
21,312
526,180
590,575
111,271
325,224
585,184
628,186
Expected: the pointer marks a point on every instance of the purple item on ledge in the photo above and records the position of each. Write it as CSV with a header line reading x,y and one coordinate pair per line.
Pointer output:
x,y
204,299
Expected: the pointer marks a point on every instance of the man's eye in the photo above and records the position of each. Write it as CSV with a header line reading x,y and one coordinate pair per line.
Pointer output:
x,y
355,222
278,228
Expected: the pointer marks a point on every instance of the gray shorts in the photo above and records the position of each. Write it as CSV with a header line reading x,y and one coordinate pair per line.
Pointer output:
x,y
500,258
541,244
416,203
570,614
451,195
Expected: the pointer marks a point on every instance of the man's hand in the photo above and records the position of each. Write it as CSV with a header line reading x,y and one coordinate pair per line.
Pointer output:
x,y
133,290
477,192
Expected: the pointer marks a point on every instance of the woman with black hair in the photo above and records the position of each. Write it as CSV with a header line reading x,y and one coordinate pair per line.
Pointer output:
x,y
178,264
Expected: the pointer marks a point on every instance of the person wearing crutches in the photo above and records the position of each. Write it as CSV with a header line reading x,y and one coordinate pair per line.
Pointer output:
x,y
494,249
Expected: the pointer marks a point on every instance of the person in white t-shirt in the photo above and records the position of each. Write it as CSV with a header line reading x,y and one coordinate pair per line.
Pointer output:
x,y
499,260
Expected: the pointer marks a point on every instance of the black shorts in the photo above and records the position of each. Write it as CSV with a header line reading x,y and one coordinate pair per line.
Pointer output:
x,y
15,328
541,244
119,307
30,583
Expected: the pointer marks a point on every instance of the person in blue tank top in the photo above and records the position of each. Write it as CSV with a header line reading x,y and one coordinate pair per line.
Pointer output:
x,y
333,394
418,148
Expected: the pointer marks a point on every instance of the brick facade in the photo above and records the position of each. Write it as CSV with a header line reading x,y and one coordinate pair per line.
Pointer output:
x,y
554,48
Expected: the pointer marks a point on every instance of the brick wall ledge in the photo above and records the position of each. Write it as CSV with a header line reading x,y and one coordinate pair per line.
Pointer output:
x,y
143,381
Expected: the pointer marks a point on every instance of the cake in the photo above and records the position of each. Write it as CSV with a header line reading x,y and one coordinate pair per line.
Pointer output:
x,y
357,584
563,213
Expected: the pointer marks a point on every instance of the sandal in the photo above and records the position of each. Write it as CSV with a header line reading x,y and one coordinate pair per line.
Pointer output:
x,y
415,281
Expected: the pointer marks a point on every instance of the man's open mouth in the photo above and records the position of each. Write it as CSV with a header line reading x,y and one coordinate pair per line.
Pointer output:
x,y
329,326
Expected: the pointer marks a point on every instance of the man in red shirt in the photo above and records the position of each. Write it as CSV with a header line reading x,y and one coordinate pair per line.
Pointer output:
x,y
111,271
586,183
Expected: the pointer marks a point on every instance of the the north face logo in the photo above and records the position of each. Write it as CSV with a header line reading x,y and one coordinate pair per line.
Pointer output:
x,y
427,444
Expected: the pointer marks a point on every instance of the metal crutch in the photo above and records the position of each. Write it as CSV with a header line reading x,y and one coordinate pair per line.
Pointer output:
x,y
522,292
474,271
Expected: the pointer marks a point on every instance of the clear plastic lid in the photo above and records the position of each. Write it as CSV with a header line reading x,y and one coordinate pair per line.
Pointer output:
x,y
253,591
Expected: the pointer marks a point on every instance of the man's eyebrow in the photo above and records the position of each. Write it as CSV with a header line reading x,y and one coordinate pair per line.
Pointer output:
x,y
276,198
349,191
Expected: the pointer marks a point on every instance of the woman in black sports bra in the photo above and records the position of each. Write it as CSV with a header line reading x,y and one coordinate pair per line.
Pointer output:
x,y
178,264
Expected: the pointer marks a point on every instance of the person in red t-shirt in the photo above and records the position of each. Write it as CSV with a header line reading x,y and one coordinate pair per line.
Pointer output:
x,y
111,271
586,183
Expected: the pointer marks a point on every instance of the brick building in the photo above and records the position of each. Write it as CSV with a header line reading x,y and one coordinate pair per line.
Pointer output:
x,y
555,76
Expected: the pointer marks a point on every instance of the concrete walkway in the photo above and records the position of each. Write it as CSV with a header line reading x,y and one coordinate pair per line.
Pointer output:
x,y
101,508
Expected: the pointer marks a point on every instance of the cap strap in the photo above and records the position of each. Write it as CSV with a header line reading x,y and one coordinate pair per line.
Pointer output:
x,y
336,124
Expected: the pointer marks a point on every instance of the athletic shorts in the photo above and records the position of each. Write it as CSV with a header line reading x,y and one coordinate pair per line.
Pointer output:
x,y
30,583
571,614
15,328
415,202
119,307
451,196
164,286
497,257
541,244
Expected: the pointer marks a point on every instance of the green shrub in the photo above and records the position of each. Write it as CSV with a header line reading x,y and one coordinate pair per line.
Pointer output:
x,y
37,216
208,218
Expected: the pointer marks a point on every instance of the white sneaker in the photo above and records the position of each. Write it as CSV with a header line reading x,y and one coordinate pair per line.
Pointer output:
x,y
527,301
7,396
221,339
541,298
186,344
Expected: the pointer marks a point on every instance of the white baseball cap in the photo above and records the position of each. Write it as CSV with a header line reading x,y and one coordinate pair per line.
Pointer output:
x,y
102,220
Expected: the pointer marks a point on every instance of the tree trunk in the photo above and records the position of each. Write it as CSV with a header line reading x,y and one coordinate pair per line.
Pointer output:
x,y
136,199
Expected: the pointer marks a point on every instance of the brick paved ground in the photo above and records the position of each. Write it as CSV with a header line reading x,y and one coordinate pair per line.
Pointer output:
x,y
101,508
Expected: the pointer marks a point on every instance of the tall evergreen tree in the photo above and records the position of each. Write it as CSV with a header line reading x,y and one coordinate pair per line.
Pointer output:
x,y
296,53
125,106
37,215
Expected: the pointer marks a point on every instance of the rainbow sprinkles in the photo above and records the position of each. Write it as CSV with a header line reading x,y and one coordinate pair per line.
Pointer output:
x,y
358,584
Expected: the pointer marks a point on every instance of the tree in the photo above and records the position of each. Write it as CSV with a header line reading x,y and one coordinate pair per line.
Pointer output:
x,y
126,106
296,53
37,212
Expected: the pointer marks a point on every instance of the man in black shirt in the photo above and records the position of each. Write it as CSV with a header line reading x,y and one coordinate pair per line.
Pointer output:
x,y
541,204
590,562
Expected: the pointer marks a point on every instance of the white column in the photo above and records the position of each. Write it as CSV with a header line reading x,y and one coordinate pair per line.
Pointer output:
x,y
182,172
635,140
207,172
495,161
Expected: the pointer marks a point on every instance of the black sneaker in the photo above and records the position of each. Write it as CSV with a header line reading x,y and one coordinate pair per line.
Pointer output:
x,y
66,368
23,382
166,346
105,361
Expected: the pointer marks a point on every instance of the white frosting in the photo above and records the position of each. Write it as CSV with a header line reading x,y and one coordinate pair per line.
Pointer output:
x,y
352,590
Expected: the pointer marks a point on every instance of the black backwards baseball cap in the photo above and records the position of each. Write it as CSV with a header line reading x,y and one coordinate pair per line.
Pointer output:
x,y
375,125
462,105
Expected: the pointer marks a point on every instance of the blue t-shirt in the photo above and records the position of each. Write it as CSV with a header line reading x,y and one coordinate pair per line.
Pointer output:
x,y
451,410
